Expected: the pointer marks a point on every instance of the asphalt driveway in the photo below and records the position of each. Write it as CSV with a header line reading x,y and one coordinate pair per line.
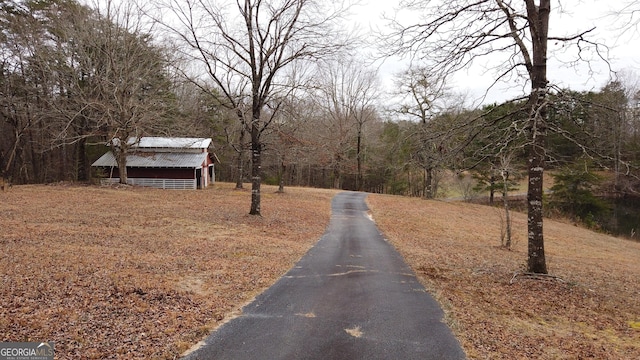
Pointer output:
x,y
351,296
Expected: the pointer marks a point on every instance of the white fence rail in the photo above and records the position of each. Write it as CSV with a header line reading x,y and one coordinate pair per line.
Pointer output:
x,y
171,184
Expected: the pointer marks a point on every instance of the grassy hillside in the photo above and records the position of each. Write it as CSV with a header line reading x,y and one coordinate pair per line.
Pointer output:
x,y
143,273
590,308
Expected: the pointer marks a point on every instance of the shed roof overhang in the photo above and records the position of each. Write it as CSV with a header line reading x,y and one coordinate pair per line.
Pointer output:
x,y
156,160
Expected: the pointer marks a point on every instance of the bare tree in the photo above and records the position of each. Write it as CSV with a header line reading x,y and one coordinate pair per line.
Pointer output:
x,y
366,92
118,78
452,35
252,42
508,173
287,142
627,17
347,93
420,91
26,89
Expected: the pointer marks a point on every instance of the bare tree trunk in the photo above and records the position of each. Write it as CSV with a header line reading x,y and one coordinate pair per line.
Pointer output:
x,y
256,168
617,145
436,183
536,256
283,168
121,160
507,213
412,191
83,172
35,157
337,183
12,153
428,183
240,159
492,190
539,17
359,159
240,168
240,149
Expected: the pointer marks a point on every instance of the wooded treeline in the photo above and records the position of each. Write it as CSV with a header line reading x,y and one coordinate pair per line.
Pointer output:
x,y
75,76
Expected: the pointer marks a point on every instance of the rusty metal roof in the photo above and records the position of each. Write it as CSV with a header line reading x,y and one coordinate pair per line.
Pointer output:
x,y
155,160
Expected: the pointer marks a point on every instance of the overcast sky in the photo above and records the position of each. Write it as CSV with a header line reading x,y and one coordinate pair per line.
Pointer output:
x,y
574,16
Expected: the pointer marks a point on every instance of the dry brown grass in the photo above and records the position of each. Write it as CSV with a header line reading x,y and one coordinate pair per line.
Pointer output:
x,y
593,312
142,273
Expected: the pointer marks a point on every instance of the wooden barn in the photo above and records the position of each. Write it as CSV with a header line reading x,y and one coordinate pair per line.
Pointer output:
x,y
165,163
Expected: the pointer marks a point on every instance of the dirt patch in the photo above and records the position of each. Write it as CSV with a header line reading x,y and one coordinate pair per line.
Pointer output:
x,y
585,311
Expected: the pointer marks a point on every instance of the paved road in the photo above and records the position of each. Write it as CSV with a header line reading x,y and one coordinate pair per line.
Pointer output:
x,y
350,297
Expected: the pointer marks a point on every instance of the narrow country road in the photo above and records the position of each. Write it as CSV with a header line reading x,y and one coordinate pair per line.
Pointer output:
x,y
350,297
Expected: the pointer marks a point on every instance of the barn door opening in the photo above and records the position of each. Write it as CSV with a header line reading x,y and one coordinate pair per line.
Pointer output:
x,y
199,178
